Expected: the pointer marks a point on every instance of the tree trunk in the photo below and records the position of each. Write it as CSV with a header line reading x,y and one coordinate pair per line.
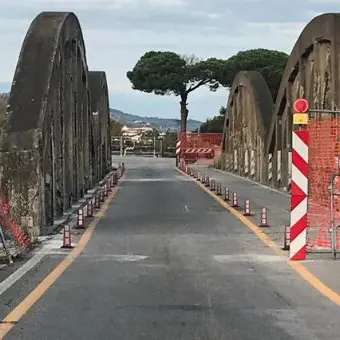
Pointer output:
x,y
184,112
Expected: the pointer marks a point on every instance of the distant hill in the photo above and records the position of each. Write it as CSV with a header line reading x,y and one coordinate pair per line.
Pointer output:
x,y
161,124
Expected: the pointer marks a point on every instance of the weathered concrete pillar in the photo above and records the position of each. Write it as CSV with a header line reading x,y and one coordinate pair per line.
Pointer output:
x,y
21,181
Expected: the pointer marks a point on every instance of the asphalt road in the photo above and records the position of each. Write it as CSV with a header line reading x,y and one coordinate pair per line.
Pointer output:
x,y
168,262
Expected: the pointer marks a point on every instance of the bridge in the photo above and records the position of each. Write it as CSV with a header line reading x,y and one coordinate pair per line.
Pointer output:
x,y
259,130
145,250
55,140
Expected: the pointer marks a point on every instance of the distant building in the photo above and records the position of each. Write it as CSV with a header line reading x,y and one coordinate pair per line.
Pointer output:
x,y
135,133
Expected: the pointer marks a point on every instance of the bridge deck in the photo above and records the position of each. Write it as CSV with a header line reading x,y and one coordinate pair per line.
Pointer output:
x,y
169,262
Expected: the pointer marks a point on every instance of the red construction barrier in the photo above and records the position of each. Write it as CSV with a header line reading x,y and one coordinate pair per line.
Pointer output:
x,y
199,147
9,225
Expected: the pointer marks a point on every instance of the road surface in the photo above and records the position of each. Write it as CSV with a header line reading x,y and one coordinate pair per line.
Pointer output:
x,y
168,262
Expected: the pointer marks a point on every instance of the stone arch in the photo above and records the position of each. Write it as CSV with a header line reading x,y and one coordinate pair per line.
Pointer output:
x,y
247,124
44,144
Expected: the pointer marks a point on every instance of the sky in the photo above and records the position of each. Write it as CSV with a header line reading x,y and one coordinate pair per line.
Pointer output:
x,y
118,32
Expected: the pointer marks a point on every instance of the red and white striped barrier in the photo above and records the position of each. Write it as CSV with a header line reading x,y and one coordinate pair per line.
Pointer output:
x,y
198,150
299,196
235,200
264,218
247,208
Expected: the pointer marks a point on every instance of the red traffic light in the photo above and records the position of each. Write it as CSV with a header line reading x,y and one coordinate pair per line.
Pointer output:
x,y
301,105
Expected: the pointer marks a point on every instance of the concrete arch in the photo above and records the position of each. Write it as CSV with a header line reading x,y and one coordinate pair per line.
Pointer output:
x,y
45,141
100,122
247,124
312,72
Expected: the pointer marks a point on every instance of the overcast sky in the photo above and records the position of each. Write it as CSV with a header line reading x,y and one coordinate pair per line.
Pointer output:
x,y
118,32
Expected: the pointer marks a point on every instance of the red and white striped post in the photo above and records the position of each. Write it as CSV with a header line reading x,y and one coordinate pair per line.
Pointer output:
x,y
178,152
246,208
299,196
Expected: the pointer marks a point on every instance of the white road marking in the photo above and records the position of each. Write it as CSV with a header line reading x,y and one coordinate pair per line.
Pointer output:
x,y
118,258
249,257
21,271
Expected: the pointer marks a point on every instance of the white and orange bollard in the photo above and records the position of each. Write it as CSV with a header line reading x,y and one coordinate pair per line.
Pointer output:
x,y
235,200
67,242
207,181
286,238
80,218
219,189
264,218
226,194
102,196
90,208
96,201
247,208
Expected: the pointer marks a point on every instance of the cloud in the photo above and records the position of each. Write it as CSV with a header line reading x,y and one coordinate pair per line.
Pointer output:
x,y
118,32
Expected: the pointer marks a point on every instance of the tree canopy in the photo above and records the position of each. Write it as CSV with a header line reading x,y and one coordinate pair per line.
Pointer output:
x,y
166,73
269,63
115,128
215,124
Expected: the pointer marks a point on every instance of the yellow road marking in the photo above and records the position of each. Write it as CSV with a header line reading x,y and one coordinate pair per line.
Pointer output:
x,y
22,308
320,286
